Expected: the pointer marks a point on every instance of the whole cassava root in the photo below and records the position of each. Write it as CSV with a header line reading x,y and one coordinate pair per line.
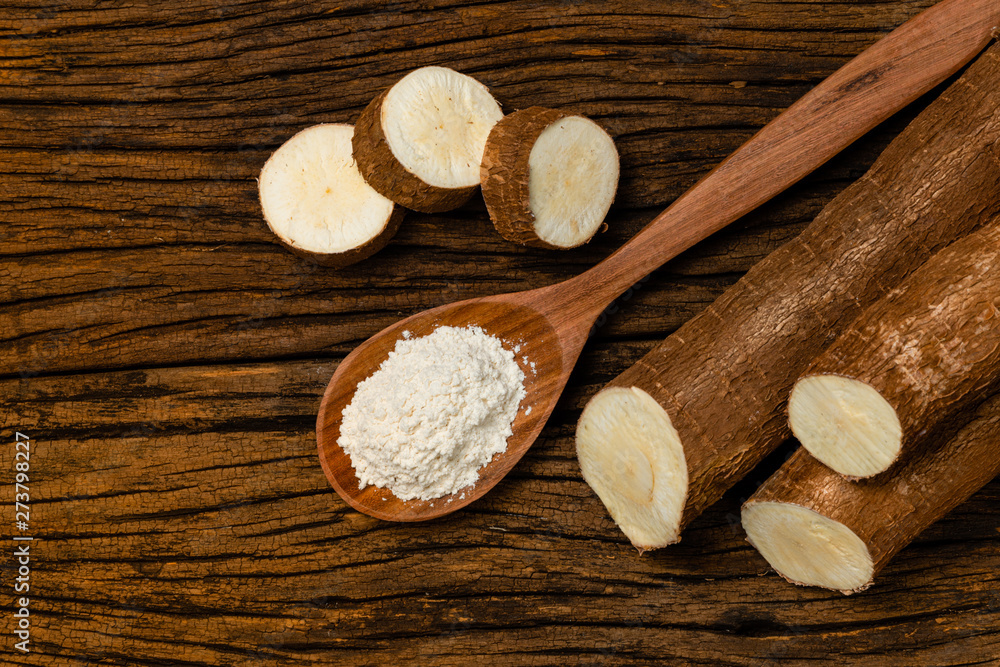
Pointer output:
x,y
817,528
420,143
908,365
548,177
721,381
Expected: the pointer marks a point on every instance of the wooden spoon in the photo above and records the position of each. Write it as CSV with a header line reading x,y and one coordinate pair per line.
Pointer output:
x,y
551,324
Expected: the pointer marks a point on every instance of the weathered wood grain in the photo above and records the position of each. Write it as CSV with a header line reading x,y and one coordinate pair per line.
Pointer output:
x,y
151,140
180,511
168,359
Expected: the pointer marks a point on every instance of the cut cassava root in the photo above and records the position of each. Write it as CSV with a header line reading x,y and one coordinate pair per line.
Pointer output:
x,y
723,378
816,528
548,177
653,462
420,143
847,422
318,205
908,364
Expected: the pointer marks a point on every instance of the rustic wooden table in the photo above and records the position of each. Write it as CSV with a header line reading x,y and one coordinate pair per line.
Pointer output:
x,y
167,359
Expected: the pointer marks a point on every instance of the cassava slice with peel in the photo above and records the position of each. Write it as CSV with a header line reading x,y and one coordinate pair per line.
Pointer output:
x,y
908,365
549,177
316,202
718,386
816,528
420,143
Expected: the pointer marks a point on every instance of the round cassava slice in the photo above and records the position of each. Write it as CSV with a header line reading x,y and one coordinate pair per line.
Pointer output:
x,y
549,177
318,205
420,143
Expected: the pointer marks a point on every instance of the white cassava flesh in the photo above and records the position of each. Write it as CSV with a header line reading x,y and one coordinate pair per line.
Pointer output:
x,y
549,178
908,365
808,548
436,121
573,175
316,202
630,454
420,143
845,423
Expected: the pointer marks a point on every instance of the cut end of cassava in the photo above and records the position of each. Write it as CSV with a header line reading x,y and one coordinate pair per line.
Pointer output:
x,y
846,424
421,142
318,205
573,176
632,457
807,548
549,178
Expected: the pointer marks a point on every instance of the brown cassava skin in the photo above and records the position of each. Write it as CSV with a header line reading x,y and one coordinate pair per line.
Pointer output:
x,y
505,173
338,260
889,511
725,375
931,347
388,177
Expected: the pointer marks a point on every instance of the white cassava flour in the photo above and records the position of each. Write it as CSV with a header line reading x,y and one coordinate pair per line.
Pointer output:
x,y
436,411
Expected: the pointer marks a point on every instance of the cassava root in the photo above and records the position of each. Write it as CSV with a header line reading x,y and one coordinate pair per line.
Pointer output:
x,y
908,365
721,381
816,528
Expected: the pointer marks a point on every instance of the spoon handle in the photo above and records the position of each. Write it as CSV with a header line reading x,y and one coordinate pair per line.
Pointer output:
x,y
870,88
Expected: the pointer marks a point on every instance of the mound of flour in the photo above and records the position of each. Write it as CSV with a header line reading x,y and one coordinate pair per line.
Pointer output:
x,y
434,413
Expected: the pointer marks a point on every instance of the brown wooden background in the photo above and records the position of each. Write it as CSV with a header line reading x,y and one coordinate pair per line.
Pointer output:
x,y
168,359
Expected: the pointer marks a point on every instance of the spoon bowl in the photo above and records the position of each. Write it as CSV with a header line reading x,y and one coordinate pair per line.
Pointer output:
x,y
520,328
